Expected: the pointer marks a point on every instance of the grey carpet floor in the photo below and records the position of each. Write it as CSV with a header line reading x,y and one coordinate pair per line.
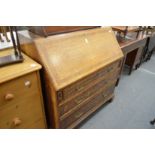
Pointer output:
x,y
134,104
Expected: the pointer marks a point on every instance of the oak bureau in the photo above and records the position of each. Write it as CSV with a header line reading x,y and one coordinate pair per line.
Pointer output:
x,y
80,70
21,102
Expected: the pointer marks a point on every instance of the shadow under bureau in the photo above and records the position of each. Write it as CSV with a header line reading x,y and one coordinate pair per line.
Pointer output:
x,y
80,70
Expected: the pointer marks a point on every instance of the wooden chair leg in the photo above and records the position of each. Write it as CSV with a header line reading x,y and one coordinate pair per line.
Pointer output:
x,y
4,30
130,70
1,40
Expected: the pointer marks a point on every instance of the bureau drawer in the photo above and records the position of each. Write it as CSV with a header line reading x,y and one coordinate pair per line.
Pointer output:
x,y
101,98
80,99
20,102
84,83
18,89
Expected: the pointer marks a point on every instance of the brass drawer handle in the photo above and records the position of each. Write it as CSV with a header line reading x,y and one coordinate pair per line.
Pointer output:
x,y
16,121
104,95
101,73
65,108
88,94
9,97
78,115
78,101
110,69
79,88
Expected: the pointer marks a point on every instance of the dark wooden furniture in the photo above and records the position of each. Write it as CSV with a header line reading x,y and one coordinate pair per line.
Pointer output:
x,y
150,48
51,30
125,30
80,72
133,50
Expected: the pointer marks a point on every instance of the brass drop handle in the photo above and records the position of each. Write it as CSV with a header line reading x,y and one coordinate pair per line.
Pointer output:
x,y
9,97
103,95
78,115
110,69
79,88
88,94
78,101
65,108
16,121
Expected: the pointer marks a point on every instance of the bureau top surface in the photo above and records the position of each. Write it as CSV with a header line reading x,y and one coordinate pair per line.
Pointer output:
x,y
15,70
72,56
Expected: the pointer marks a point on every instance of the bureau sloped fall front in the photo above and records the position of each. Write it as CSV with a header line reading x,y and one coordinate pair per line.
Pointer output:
x,y
80,70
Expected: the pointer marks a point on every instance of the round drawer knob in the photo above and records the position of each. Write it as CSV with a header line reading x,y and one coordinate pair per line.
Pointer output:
x,y
16,121
9,97
28,84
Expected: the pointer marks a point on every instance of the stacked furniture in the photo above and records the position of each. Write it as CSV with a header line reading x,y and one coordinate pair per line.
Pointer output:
x,y
21,102
125,30
133,48
3,33
80,71
52,30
